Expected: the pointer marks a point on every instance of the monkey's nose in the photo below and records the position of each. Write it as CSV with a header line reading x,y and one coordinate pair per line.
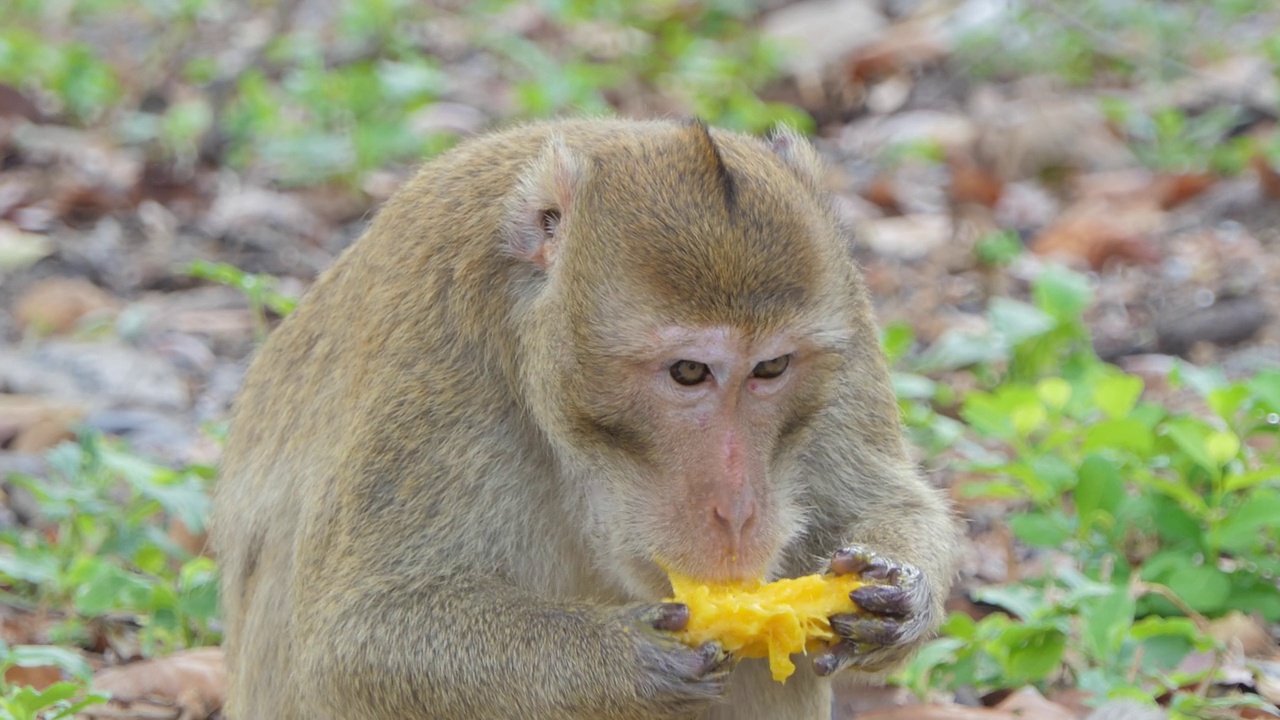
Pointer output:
x,y
734,517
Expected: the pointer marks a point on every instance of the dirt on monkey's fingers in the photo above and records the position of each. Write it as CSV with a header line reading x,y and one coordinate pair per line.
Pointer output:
x,y
773,620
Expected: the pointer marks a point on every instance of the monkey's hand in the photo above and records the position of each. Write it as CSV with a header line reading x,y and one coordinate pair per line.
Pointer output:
x,y
898,614
674,677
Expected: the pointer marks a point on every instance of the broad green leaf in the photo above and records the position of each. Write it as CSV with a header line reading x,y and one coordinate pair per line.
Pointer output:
x,y
1054,392
1225,401
1251,523
1062,293
1107,622
1116,394
897,339
1222,447
1033,652
1120,434
988,415
956,349
1251,478
1189,436
1204,588
1018,321
909,386
40,655
1020,600
1099,488
1266,386
1040,529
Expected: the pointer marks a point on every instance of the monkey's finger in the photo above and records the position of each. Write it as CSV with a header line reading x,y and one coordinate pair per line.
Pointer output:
x,y
867,630
891,600
847,654
668,617
858,560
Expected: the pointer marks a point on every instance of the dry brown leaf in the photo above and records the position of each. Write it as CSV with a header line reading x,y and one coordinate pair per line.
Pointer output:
x,y
194,543
1251,634
31,424
971,183
56,305
1172,190
1097,231
194,682
1268,176
38,677
1029,703
883,193
901,48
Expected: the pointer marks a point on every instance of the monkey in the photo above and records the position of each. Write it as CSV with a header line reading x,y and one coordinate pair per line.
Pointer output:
x,y
563,356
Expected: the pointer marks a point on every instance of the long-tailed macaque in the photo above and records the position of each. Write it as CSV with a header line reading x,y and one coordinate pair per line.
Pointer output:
x,y
561,355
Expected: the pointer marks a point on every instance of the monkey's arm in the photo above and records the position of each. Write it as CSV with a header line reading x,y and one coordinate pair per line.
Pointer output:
x,y
462,646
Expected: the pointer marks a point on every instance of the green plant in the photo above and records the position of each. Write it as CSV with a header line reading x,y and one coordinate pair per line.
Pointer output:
x,y
1170,140
102,545
59,700
1162,517
259,289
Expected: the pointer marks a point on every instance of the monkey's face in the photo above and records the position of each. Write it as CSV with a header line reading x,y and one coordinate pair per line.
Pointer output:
x,y
692,440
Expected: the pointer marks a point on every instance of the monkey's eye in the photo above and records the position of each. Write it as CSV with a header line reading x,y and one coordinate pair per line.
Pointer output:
x,y
688,372
769,369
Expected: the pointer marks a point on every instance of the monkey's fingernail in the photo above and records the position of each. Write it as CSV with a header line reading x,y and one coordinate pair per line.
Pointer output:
x,y
825,664
713,655
878,568
671,617
848,561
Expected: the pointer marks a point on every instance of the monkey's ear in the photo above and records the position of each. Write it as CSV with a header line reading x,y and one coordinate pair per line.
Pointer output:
x,y
542,204
798,154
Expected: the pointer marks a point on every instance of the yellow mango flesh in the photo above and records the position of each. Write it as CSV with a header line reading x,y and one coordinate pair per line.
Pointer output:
x,y
773,620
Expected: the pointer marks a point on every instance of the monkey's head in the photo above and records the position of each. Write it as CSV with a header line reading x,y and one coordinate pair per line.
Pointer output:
x,y
687,303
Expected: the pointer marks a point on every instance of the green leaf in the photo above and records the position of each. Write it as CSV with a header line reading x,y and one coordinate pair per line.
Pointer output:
x,y
1040,529
1054,392
1020,600
1251,478
1206,589
1189,436
1266,386
897,339
1251,524
1061,293
1116,394
1018,321
1226,401
1120,434
1107,622
1033,652
909,386
1099,488
41,655
988,415
956,349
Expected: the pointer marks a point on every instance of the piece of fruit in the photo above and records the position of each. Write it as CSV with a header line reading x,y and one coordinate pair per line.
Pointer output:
x,y
773,620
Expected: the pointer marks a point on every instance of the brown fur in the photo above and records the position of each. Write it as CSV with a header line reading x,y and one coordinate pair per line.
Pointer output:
x,y
407,512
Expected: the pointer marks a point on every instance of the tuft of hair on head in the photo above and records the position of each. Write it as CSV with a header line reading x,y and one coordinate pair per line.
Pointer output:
x,y
799,156
714,162
542,204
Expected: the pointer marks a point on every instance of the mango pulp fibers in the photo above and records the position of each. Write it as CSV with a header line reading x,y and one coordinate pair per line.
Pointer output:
x,y
773,620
